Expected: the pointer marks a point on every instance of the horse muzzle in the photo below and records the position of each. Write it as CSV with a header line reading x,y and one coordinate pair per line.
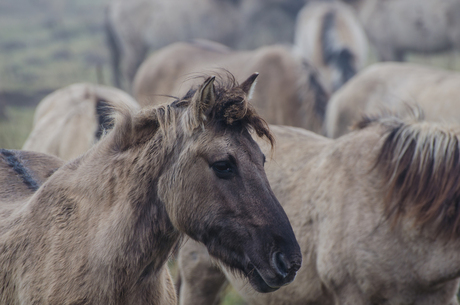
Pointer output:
x,y
281,272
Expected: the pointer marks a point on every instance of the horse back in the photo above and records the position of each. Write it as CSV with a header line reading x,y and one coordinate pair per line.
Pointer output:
x,y
166,71
23,172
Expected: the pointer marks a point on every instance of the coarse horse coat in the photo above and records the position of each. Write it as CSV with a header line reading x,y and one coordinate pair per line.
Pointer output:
x,y
375,212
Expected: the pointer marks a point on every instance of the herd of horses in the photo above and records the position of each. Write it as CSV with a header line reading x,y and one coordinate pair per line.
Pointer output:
x,y
315,180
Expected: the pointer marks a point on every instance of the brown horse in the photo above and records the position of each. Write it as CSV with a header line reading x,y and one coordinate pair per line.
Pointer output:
x,y
330,37
288,92
70,120
393,86
376,213
100,229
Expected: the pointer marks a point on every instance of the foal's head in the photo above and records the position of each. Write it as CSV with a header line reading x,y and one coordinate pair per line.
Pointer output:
x,y
214,187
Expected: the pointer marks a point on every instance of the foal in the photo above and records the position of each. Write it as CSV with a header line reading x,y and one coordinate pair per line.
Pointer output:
x,y
100,229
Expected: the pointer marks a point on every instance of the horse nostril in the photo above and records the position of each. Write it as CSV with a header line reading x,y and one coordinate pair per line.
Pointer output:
x,y
280,263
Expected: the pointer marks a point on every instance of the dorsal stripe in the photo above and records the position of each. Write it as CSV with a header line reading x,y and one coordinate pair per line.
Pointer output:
x,y
20,169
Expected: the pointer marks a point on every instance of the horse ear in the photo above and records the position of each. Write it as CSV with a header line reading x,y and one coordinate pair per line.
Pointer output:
x,y
248,85
204,99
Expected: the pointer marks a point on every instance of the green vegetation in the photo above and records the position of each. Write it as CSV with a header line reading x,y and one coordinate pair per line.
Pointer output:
x,y
231,297
15,130
48,44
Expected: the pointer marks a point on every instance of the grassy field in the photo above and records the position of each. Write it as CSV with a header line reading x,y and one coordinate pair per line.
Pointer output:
x,y
15,129
47,44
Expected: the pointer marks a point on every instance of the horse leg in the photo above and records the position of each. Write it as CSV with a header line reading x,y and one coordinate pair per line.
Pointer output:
x,y
200,280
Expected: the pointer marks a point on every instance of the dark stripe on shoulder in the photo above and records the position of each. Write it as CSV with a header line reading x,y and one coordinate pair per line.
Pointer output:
x,y
19,168
105,122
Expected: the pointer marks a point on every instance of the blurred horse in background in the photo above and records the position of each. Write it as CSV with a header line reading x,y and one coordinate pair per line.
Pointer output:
x,y
375,212
331,38
136,26
393,86
70,120
395,27
288,90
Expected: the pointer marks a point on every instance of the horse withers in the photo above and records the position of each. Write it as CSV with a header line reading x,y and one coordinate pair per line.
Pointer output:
x,y
375,213
100,228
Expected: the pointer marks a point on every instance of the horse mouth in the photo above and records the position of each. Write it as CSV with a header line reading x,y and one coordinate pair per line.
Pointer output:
x,y
258,283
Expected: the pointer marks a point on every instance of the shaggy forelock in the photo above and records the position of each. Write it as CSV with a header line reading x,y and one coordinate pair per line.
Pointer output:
x,y
231,108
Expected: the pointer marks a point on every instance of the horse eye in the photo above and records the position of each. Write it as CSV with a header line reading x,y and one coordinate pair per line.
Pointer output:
x,y
265,159
223,169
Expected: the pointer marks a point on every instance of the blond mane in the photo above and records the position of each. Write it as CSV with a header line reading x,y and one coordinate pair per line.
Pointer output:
x,y
420,162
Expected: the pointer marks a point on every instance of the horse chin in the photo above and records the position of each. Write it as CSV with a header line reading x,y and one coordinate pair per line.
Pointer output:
x,y
250,272
258,283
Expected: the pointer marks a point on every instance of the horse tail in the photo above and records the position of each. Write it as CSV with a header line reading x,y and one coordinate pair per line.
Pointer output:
x,y
114,47
335,53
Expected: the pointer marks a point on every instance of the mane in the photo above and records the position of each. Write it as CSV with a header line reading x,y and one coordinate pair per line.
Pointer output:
x,y
230,110
420,163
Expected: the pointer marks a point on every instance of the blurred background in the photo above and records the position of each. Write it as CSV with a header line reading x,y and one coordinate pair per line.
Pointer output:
x,y
45,45
49,44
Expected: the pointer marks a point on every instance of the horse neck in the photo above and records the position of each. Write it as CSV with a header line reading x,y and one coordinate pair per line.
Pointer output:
x,y
118,206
